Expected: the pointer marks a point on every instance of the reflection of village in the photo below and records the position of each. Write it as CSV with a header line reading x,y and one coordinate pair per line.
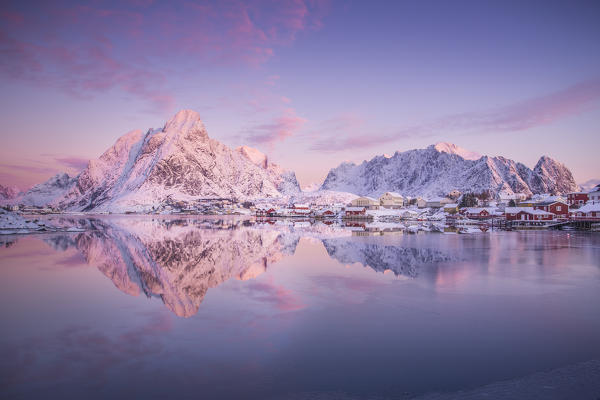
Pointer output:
x,y
456,212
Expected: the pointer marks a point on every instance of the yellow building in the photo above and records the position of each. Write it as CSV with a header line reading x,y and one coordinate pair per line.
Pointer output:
x,y
367,202
391,200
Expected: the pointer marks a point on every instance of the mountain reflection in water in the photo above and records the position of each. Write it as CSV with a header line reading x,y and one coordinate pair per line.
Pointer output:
x,y
178,260
288,308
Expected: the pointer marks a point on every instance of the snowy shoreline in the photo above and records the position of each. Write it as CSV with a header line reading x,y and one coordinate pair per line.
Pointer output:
x,y
12,223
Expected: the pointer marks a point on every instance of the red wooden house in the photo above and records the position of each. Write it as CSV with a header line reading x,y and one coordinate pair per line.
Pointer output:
x,y
587,212
355,211
557,208
265,212
479,213
577,198
527,214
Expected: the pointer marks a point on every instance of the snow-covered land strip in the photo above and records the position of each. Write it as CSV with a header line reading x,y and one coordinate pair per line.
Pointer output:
x,y
12,223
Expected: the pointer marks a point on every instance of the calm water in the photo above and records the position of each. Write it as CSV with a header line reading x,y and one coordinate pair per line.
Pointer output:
x,y
226,308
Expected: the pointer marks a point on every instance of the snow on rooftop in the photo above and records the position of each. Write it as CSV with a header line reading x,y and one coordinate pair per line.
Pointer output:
x,y
394,194
589,207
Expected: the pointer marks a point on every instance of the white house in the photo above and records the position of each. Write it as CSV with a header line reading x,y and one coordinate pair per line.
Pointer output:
x,y
505,198
391,200
438,202
451,208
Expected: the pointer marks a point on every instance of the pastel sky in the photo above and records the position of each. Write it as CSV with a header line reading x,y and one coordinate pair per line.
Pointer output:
x,y
311,83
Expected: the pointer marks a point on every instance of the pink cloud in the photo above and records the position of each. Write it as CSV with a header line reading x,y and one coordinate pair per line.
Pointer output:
x,y
137,47
272,80
28,168
12,17
344,134
280,297
278,130
76,163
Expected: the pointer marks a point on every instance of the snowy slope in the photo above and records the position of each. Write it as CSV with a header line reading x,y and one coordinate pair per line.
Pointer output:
x,y
450,148
176,163
49,192
8,193
441,168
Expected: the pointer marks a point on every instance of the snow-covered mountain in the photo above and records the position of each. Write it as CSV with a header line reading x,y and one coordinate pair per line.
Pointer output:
x,y
441,168
178,162
49,192
7,193
450,148
589,184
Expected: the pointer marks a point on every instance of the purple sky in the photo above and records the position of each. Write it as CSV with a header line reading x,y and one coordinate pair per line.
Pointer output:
x,y
311,83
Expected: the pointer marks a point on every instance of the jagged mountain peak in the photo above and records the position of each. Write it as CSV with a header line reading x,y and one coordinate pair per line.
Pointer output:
x,y
553,176
185,121
548,161
256,156
176,163
437,170
451,148
47,192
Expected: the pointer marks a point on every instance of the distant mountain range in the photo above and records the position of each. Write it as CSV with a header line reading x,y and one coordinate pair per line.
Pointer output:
x,y
589,184
441,168
181,163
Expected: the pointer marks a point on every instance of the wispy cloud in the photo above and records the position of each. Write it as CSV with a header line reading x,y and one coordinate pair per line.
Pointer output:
x,y
28,168
270,293
281,128
137,47
348,133
76,163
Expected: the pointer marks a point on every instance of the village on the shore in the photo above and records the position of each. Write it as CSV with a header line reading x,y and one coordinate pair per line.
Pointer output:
x,y
576,210
391,212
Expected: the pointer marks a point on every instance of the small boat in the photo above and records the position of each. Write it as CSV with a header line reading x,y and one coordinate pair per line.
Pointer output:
x,y
568,228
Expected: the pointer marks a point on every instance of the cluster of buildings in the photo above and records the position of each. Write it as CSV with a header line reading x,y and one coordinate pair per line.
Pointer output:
x,y
515,209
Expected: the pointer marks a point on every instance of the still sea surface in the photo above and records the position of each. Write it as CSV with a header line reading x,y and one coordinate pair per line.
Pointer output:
x,y
233,308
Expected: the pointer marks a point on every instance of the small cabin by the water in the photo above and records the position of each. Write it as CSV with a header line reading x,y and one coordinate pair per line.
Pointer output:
x,y
527,214
587,212
355,211
479,213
